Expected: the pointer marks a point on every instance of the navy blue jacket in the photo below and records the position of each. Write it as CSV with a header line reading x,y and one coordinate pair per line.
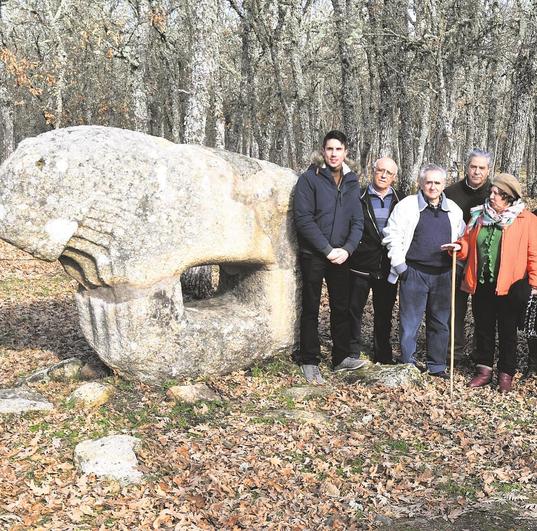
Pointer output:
x,y
326,216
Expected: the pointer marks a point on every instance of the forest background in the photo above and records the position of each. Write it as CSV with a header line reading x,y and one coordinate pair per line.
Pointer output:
x,y
419,80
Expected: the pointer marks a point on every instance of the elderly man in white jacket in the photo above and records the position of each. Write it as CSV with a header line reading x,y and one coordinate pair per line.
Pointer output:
x,y
417,228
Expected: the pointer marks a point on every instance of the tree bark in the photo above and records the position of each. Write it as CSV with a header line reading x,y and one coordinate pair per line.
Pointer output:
x,y
198,280
524,84
204,65
140,96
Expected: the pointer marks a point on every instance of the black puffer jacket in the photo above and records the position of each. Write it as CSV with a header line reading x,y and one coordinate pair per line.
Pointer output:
x,y
371,257
327,216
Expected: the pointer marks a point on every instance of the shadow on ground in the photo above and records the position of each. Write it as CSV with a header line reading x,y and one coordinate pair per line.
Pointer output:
x,y
46,325
500,519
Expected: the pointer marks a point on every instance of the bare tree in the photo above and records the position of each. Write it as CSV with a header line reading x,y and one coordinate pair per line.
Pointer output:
x,y
524,84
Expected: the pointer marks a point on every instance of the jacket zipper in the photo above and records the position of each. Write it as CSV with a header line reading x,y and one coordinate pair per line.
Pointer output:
x,y
338,198
368,205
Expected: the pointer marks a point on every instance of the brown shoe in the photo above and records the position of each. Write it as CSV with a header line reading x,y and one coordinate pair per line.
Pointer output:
x,y
505,382
483,376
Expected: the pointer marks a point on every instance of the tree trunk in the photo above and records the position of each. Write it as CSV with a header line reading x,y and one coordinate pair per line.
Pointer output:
x,y
346,11
524,83
6,117
61,56
198,280
140,96
303,137
531,178
204,63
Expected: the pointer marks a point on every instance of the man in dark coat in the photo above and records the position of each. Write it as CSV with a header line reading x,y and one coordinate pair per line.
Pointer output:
x,y
370,265
468,193
329,222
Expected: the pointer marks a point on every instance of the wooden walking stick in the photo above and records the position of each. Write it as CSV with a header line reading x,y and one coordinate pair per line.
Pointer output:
x,y
452,331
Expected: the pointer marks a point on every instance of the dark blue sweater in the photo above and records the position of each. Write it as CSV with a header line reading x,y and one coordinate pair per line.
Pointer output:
x,y
432,231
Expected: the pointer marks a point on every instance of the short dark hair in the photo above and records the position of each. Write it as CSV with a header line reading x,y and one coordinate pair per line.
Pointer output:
x,y
337,135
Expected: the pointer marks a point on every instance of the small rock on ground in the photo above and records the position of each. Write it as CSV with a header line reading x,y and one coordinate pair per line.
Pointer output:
x,y
307,417
92,394
66,370
388,375
111,457
305,392
192,393
19,400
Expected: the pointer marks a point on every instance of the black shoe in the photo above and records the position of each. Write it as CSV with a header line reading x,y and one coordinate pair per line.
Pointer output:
x,y
422,368
442,374
384,361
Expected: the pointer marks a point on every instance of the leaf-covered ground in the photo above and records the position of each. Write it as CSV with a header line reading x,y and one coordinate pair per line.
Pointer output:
x,y
357,457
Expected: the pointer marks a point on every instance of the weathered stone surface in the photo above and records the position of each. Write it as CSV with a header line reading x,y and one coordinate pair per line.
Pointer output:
x,y
192,393
65,371
388,375
111,457
19,400
92,394
127,213
305,392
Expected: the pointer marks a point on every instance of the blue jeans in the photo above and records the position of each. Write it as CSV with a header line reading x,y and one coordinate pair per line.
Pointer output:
x,y
427,293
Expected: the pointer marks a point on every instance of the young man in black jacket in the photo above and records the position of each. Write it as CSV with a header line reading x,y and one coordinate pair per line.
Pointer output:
x,y
370,265
468,193
329,222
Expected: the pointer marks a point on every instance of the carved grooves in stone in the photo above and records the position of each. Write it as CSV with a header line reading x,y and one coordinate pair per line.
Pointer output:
x,y
87,254
82,267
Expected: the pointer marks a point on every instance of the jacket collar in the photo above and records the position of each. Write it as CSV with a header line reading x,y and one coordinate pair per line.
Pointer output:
x,y
422,203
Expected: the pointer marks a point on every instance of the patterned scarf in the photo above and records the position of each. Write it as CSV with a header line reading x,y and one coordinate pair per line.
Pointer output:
x,y
489,216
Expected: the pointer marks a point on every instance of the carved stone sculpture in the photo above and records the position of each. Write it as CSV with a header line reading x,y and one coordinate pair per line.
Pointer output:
x,y
127,213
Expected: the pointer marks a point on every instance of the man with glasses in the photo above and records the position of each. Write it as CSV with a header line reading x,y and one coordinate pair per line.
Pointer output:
x,y
417,228
468,193
370,266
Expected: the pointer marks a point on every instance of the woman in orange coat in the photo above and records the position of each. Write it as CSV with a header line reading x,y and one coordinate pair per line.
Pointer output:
x,y
500,247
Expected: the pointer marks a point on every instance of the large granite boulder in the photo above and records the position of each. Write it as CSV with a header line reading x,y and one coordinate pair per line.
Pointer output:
x,y
127,213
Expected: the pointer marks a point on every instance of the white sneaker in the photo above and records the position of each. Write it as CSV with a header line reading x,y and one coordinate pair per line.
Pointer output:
x,y
312,374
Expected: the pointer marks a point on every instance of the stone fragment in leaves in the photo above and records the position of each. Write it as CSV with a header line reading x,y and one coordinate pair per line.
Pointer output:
x,y
111,457
65,371
387,375
127,213
307,417
305,392
92,394
19,400
192,393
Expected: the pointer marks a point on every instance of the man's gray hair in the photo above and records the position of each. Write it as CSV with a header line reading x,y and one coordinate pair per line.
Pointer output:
x,y
476,152
428,168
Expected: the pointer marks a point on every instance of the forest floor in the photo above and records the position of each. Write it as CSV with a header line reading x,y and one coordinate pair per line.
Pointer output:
x,y
373,457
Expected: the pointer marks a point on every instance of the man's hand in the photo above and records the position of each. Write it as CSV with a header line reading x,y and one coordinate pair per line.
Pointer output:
x,y
338,256
450,247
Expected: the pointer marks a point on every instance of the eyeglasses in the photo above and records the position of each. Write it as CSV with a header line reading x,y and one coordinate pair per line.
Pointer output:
x,y
382,171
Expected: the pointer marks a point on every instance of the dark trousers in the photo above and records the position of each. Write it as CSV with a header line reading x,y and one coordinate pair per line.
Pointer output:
x,y
421,293
490,312
314,269
384,295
